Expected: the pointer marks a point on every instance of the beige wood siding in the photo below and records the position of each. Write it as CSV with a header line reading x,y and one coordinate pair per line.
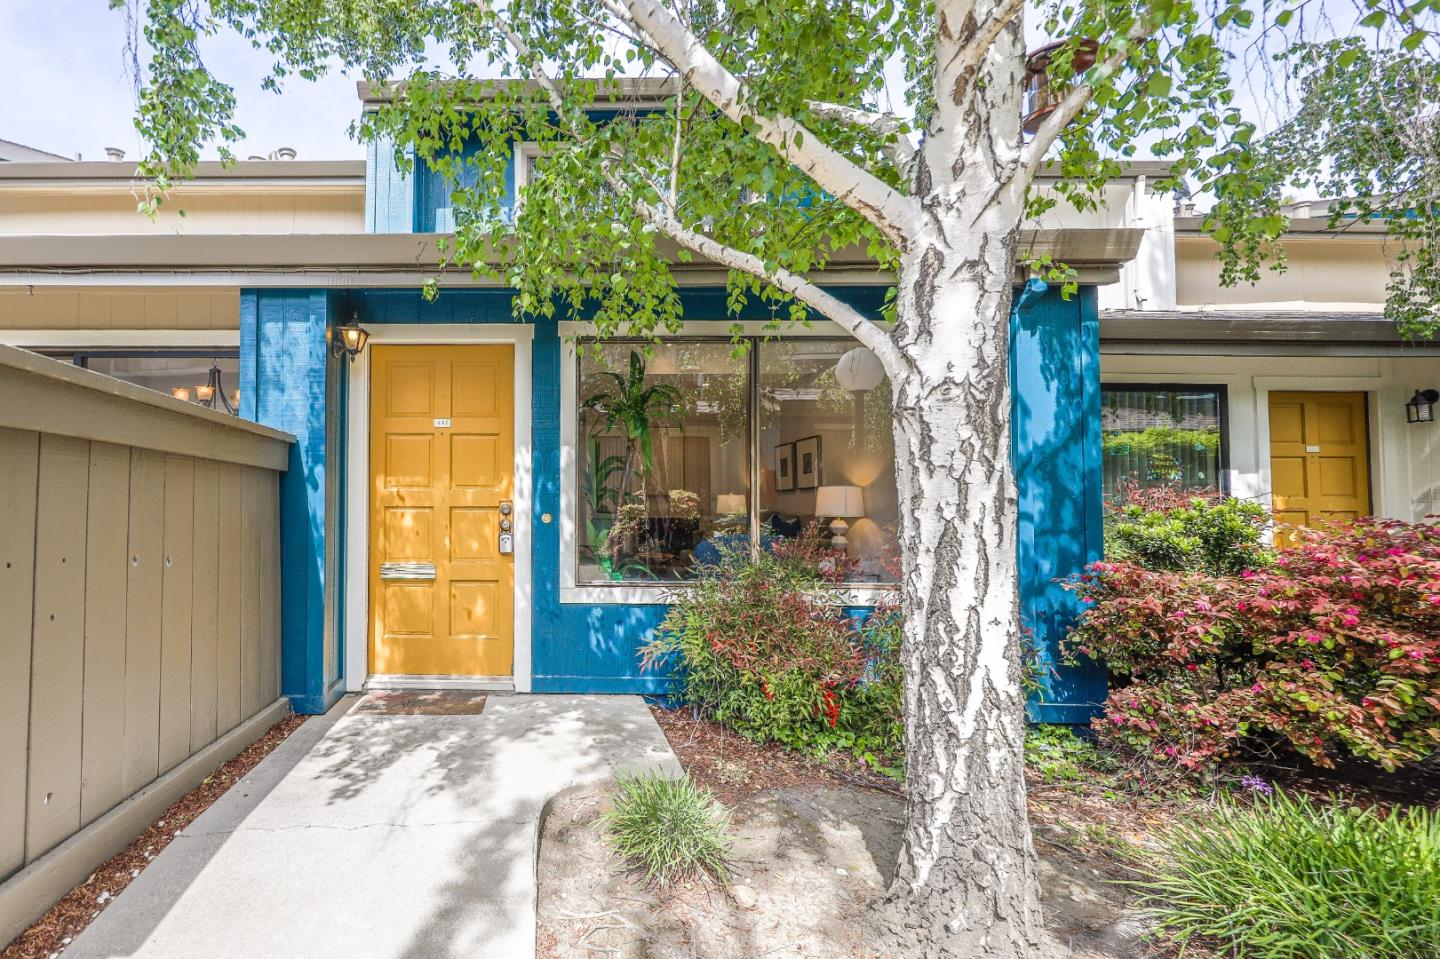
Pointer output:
x,y
1322,273
112,309
30,211
139,593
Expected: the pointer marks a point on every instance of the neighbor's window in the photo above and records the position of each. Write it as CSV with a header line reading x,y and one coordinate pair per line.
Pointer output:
x,y
208,378
1162,436
667,450
664,457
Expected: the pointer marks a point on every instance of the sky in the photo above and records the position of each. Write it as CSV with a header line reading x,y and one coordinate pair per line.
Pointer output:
x,y
62,68
67,90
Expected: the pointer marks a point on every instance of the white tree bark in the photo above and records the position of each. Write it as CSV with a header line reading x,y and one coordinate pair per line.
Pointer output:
x,y
965,884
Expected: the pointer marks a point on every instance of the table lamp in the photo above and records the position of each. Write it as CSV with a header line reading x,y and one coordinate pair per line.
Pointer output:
x,y
840,503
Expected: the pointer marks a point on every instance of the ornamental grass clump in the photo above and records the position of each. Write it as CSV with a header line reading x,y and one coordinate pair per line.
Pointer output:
x,y
669,829
1294,879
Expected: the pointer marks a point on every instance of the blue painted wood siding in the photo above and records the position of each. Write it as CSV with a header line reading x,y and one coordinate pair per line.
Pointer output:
x,y
288,381
1055,428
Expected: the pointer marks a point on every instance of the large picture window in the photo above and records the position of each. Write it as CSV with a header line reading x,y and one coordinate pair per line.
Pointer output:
x,y
691,449
1167,435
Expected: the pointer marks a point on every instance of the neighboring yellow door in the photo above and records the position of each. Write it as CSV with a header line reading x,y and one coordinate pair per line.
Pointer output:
x,y
442,462
1319,458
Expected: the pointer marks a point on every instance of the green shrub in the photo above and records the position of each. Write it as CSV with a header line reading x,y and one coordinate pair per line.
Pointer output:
x,y
1058,755
765,647
1165,529
669,829
1290,879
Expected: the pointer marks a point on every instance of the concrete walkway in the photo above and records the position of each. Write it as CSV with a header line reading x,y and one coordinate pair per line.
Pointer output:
x,y
379,836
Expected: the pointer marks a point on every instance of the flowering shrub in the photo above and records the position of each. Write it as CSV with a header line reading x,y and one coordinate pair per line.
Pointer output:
x,y
1335,646
766,648
1165,528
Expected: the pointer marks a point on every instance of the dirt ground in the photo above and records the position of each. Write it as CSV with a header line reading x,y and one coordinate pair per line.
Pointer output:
x,y
814,845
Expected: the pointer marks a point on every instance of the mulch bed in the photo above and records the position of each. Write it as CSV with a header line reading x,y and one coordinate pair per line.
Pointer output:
x,y
734,768
53,931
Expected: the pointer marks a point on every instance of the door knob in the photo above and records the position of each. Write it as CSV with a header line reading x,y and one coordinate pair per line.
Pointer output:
x,y
507,537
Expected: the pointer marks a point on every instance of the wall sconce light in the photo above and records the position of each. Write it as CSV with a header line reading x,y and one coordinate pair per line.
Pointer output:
x,y
349,338
1421,408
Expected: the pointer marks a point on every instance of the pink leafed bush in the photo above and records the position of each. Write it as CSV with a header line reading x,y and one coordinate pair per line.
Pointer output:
x,y
1333,647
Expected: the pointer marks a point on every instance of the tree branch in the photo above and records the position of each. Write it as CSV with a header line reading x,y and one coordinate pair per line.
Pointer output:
x,y
873,337
901,150
855,323
882,205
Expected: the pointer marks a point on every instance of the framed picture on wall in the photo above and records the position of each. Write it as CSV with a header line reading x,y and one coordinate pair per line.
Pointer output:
x,y
785,467
807,463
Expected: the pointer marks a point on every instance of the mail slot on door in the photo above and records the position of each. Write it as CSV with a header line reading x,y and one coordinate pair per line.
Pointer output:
x,y
407,570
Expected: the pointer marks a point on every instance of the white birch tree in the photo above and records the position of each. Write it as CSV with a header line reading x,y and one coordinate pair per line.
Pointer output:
x,y
892,126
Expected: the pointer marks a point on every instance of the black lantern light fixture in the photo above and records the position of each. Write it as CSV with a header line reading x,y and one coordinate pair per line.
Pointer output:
x,y
349,338
1421,408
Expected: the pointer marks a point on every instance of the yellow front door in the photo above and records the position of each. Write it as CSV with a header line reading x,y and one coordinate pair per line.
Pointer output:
x,y
442,462
1319,458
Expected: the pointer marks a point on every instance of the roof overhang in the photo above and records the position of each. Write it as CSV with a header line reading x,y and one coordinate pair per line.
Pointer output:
x,y
1255,332
408,259
1312,227
209,175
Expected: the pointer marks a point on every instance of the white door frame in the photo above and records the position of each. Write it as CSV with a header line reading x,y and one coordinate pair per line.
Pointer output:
x,y
357,492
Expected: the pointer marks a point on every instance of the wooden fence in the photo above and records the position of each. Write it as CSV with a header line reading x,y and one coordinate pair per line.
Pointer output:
x,y
139,609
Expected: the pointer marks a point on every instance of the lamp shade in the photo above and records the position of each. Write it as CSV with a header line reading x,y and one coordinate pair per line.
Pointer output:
x,y
727,504
840,502
859,370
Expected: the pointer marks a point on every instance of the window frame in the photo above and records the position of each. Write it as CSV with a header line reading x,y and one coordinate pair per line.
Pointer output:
x,y
752,462
658,592
1219,389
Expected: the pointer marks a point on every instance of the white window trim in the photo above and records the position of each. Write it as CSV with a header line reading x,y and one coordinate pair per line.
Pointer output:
x,y
524,150
638,594
357,489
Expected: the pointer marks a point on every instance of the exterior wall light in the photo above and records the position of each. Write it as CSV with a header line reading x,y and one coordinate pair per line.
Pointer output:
x,y
1041,98
349,338
1421,408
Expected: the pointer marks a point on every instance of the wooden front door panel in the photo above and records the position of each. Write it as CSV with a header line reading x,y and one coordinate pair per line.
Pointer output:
x,y
1319,458
442,455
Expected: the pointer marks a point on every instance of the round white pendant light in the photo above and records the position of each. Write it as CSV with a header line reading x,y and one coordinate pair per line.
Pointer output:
x,y
859,370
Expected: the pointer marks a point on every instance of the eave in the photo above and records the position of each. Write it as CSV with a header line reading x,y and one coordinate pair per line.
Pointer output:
x,y
1267,332
408,259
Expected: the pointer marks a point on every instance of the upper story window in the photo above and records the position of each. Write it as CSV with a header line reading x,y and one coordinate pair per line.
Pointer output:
x,y
1166,435
687,452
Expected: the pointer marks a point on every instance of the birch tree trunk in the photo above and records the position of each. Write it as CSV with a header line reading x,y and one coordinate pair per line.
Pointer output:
x,y
965,884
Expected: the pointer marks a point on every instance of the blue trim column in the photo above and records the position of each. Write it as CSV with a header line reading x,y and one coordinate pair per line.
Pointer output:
x,y
285,377
1055,370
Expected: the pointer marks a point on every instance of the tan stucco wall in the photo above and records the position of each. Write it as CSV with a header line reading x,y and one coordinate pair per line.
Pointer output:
x,y
236,209
100,308
1323,273
1404,457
